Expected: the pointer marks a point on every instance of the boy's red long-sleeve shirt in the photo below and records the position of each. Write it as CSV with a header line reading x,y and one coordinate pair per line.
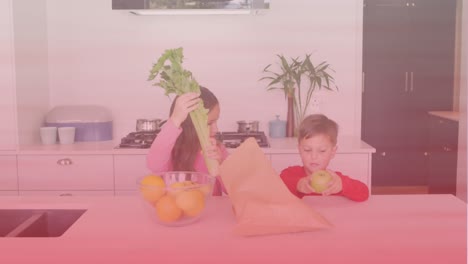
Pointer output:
x,y
352,189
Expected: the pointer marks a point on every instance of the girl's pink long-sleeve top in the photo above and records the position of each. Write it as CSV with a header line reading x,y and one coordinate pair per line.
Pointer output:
x,y
159,155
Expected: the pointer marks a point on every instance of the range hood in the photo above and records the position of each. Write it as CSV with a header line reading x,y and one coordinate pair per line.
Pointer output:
x,y
192,7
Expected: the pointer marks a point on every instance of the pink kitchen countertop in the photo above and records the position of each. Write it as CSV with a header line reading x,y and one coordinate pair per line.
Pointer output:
x,y
385,229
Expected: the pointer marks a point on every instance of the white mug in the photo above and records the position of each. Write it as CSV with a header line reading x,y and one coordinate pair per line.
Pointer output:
x,y
48,135
66,135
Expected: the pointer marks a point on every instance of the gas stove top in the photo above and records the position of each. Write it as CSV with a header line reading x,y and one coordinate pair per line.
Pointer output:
x,y
229,139
138,139
234,139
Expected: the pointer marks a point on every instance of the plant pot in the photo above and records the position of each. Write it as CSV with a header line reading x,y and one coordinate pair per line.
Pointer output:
x,y
290,127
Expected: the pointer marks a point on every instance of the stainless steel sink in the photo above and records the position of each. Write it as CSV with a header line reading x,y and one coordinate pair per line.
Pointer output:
x,y
37,223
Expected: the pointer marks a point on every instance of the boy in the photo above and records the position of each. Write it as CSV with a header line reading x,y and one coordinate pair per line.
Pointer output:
x,y
317,146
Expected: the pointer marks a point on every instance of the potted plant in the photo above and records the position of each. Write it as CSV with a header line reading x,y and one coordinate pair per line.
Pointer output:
x,y
289,78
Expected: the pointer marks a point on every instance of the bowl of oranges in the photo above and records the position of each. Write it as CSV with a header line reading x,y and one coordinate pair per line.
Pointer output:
x,y
176,198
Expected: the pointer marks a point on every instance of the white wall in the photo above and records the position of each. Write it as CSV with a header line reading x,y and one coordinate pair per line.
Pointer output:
x,y
101,56
7,79
462,133
32,92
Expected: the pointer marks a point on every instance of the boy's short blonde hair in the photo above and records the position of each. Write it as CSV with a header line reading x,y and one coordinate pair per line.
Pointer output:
x,y
318,124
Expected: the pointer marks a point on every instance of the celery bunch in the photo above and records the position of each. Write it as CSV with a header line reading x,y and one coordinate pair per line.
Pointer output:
x,y
176,80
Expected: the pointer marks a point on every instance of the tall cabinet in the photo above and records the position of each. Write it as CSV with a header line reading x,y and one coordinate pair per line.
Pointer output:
x,y
408,70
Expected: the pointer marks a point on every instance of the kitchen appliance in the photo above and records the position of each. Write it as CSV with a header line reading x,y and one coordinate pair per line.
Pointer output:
x,y
194,7
142,139
247,126
91,122
146,132
149,125
234,139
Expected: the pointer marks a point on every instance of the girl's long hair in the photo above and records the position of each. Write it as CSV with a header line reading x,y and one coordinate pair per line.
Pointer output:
x,y
187,145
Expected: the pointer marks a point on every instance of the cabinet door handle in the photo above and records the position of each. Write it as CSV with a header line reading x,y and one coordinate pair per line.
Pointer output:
x,y
363,81
65,194
64,162
406,82
411,86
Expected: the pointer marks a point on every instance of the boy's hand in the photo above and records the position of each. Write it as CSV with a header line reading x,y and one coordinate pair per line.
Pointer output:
x,y
335,185
304,186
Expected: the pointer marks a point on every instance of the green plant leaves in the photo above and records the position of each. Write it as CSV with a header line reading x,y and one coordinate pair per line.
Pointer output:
x,y
289,78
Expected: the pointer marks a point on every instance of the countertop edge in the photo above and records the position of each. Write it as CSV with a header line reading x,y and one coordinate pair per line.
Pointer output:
x,y
450,115
278,146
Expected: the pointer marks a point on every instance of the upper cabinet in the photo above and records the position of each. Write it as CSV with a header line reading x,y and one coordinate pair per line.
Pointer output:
x,y
8,126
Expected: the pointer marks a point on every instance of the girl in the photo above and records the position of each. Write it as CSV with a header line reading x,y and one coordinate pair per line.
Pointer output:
x,y
177,146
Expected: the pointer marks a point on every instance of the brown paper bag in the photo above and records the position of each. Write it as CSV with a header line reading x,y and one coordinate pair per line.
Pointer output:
x,y
262,204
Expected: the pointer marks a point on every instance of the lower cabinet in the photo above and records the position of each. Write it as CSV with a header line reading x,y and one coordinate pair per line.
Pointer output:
x,y
354,165
66,173
8,193
66,193
8,174
442,177
117,174
127,170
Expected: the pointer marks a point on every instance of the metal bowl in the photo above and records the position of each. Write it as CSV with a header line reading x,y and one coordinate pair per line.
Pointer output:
x,y
247,126
149,125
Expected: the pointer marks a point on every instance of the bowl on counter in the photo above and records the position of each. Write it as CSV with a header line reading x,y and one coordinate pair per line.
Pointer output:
x,y
175,198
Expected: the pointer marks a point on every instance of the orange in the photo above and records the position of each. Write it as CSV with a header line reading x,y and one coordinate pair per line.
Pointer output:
x,y
167,210
206,189
152,188
178,187
191,202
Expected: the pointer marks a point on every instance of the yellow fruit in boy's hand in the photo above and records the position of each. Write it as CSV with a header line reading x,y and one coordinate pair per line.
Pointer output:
x,y
152,188
319,180
167,210
192,202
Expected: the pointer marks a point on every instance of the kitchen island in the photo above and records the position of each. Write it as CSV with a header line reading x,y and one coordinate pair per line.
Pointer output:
x,y
385,229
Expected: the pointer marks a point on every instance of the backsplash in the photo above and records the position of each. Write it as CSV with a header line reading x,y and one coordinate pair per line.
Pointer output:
x,y
96,55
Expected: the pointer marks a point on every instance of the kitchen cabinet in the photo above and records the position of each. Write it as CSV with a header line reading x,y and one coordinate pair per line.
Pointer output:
x,y
442,175
127,169
66,193
8,193
100,169
408,66
356,165
7,81
65,173
8,174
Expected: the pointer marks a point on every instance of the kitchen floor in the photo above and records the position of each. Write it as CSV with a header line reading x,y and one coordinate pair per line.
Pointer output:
x,y
400,190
